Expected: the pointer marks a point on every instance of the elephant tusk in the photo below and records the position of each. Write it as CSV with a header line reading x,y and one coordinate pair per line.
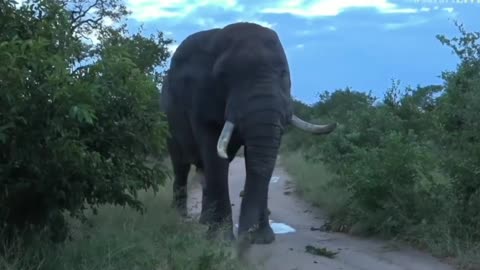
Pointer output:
x,y
224,139
312,128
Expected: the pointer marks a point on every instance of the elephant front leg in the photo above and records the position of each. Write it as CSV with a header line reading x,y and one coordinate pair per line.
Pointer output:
x,y
200,177
216,207
254,224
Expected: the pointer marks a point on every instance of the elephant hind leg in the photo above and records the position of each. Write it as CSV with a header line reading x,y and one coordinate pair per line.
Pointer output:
x,y
180,170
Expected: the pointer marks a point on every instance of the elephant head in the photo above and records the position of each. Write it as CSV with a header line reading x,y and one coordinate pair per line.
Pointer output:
x,y
252,67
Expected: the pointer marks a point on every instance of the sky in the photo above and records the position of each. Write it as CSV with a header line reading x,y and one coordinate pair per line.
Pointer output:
x,y
332,44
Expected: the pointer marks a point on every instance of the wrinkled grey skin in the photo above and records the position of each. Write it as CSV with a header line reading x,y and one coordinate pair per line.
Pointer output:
x,y
237,77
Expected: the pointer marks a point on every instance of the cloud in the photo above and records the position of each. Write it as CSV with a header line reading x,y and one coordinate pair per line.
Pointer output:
x,y
448,9
212,23
300,46
310,32
331,28
414,21
325,8
260,22
144,10
172,48
208,22
305,32
265,23
408,23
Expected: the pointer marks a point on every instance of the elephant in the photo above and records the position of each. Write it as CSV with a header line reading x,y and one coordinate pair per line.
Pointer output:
x,y
226,88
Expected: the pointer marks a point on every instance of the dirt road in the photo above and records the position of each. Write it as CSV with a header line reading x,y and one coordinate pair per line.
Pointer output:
x,y
288,251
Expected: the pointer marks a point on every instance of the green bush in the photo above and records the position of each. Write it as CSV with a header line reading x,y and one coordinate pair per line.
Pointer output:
x,y
77,121
382,164
459,114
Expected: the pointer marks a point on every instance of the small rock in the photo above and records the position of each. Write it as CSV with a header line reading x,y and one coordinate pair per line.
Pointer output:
x,y
326,227
320,251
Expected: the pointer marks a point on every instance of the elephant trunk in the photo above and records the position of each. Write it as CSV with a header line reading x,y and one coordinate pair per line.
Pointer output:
x,y
262,141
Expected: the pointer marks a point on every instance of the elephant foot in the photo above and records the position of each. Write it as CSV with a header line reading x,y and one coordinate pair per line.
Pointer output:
x,y
262,236
202,220
227,235
182,211
181,208
217,229
205,218
222,232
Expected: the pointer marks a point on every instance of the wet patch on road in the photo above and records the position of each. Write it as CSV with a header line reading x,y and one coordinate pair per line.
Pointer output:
x,y
274,179
279,228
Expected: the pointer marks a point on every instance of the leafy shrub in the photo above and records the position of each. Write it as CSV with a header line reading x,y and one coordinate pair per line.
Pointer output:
x,y
383,165
77,121
459,114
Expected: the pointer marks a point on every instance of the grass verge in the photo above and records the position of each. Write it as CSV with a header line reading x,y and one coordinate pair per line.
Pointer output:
x,y
312,182
121,238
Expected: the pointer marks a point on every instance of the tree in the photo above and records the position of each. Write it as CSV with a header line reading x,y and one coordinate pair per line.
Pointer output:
x,y
77,121
459,112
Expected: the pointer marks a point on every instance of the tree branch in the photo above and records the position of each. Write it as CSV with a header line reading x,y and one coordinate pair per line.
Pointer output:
x,y
77,20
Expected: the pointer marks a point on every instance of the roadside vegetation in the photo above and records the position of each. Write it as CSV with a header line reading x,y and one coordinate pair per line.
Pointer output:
x,y
83,184
406,166
118,238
